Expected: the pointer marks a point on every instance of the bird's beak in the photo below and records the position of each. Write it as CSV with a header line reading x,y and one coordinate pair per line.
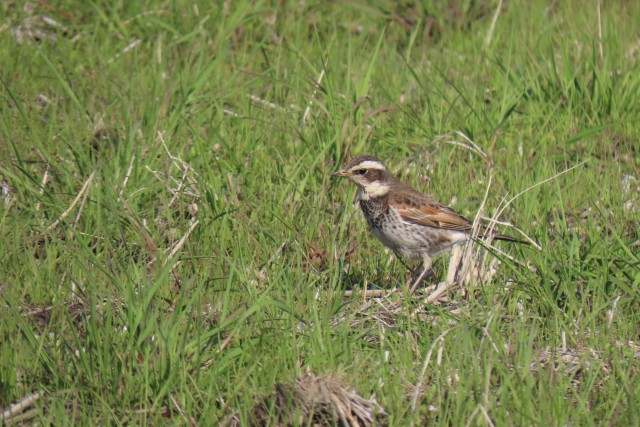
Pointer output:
x,y
339,173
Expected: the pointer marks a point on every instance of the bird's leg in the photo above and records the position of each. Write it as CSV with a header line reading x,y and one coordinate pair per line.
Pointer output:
x,y
426,272
414,274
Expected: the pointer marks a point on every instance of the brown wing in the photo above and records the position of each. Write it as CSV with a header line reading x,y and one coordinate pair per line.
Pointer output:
x,y
420,209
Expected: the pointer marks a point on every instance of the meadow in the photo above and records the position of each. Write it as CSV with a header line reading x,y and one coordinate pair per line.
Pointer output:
x,y
173,250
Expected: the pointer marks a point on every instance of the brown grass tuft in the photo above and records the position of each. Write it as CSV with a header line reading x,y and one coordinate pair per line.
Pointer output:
x,y
313,400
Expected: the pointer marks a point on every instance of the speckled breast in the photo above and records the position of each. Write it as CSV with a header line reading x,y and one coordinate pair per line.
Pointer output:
x,y
405,239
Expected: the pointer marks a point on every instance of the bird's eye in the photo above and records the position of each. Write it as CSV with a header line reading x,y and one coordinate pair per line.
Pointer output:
x,y
361,171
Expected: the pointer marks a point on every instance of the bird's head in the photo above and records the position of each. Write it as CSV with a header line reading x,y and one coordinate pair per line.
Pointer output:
x,y
369,174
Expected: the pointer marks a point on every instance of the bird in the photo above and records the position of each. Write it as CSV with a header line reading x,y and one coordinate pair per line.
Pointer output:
x,y
412,224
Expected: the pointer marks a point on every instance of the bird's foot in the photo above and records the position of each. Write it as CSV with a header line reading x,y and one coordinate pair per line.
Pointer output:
x,y
417,277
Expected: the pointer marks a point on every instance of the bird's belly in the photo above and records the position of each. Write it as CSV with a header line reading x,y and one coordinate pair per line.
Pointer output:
x,y
409,240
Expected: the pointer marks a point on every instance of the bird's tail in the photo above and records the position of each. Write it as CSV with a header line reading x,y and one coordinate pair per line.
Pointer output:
x,y
505,238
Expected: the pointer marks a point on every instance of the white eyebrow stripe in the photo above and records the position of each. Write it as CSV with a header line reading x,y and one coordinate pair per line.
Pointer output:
x,y
370,164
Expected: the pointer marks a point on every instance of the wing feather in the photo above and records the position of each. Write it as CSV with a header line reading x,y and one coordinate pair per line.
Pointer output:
x,y
419,209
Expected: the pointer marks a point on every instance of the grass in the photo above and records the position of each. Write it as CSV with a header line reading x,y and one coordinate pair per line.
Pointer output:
x,y
206,258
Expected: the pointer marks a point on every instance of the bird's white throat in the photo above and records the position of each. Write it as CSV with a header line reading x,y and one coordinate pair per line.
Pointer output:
x,y
373,190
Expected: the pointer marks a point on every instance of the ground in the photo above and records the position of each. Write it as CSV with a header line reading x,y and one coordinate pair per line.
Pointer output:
x,y
175,252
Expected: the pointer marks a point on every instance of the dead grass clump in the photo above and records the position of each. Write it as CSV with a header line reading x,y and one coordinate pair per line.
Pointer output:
x,y
574,362
372,313
36,27
313,400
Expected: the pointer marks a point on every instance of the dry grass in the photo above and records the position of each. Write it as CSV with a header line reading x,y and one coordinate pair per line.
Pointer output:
x,y
313,400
